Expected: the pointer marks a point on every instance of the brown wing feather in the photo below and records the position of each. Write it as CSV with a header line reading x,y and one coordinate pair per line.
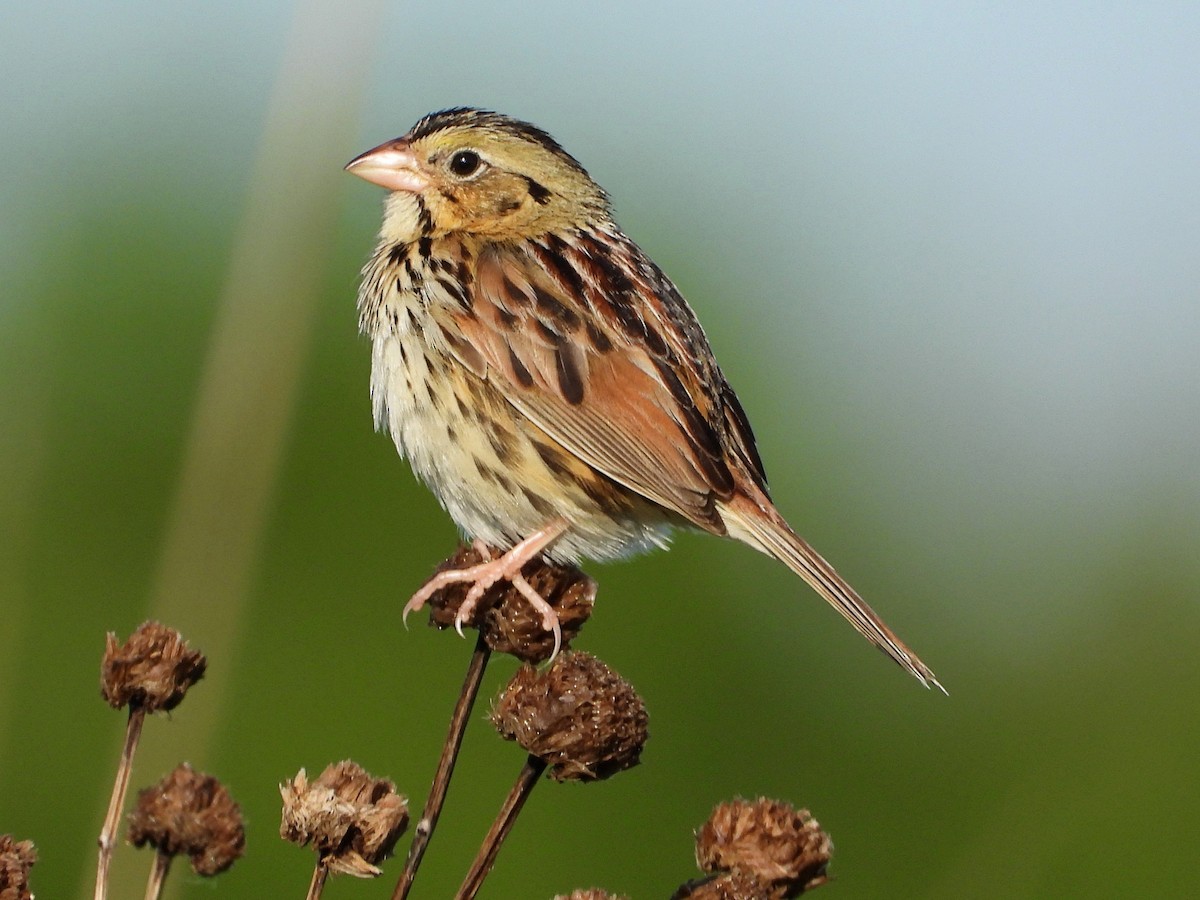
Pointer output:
x,y
634,392
613,389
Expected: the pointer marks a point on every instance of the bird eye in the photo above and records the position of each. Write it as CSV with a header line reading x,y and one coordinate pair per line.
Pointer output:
x,y
465,163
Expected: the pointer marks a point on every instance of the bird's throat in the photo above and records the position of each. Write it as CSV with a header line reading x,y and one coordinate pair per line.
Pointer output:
x,y
405,218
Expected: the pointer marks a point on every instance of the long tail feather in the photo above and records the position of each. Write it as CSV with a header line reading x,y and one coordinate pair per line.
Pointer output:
x,y
766,531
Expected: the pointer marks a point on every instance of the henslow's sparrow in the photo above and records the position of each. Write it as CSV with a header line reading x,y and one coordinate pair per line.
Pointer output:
x,y
544,378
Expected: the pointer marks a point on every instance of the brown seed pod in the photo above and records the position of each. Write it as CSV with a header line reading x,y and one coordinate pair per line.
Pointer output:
x,y
152,670
352,819
189,813
729,886
781,846
16,859
506,619
579,716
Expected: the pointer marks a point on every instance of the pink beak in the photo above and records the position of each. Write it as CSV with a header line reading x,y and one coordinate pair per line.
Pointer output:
x,y
392,165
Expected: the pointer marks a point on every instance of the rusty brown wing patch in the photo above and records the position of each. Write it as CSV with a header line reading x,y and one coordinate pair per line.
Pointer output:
x,y
599,376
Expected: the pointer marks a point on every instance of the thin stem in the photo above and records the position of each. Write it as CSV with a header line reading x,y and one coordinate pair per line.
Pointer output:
x,y
423,832
317,885
486,857
158,875
108,834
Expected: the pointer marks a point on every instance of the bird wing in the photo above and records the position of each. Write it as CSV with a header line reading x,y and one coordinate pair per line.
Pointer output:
x,y
632,389
597,348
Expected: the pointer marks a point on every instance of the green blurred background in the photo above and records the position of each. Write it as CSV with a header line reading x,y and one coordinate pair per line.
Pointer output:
x,y
947,255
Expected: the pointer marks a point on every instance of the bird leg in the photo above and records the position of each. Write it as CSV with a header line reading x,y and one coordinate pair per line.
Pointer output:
x,y
503,568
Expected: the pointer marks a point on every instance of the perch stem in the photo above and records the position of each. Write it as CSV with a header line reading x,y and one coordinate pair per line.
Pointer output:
x,y
158,876
423,832
108,833
486,858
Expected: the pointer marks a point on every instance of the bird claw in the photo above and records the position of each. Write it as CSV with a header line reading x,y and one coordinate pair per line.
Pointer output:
x,y
485,574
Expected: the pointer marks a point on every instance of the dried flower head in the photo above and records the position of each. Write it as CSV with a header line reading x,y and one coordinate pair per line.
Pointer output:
x,y
579,716
152,670
780,845
352,819
591,894
191,814
506,619
16,859
729,886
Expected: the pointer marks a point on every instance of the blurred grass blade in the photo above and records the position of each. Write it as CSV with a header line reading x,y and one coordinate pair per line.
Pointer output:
x,y
255,359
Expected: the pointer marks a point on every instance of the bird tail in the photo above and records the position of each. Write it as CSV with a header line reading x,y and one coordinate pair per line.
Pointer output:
x,y
763,528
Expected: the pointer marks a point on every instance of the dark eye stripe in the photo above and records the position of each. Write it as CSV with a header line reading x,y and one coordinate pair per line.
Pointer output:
x,y
538,191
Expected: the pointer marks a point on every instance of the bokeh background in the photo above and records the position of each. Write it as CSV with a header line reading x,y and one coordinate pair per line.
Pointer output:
x,y
947,254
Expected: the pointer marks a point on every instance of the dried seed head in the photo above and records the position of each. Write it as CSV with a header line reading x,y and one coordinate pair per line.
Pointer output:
x,y
352,820
16,859
579,716
191,814
591,894
780,845
152,670
730,886
506,619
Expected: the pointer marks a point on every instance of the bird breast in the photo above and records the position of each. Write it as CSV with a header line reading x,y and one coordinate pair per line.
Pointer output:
x,y
497,474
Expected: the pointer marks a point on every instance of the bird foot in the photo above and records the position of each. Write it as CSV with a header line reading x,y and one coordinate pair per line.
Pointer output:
x,y
484,575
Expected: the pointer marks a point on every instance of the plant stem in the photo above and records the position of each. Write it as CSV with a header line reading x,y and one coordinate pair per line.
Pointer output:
x,y
158,875
423,832
108,833
486,858
317,885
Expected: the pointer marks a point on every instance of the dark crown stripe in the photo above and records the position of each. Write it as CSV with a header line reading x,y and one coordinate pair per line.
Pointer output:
x,y
460,116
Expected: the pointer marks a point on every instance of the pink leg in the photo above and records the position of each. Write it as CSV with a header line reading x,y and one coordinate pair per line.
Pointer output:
x,y
485,574
549,616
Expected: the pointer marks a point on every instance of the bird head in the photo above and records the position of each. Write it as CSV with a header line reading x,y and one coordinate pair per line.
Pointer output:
x,y
470,171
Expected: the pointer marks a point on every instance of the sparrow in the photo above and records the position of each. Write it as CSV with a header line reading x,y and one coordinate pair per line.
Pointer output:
x,y
545,379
